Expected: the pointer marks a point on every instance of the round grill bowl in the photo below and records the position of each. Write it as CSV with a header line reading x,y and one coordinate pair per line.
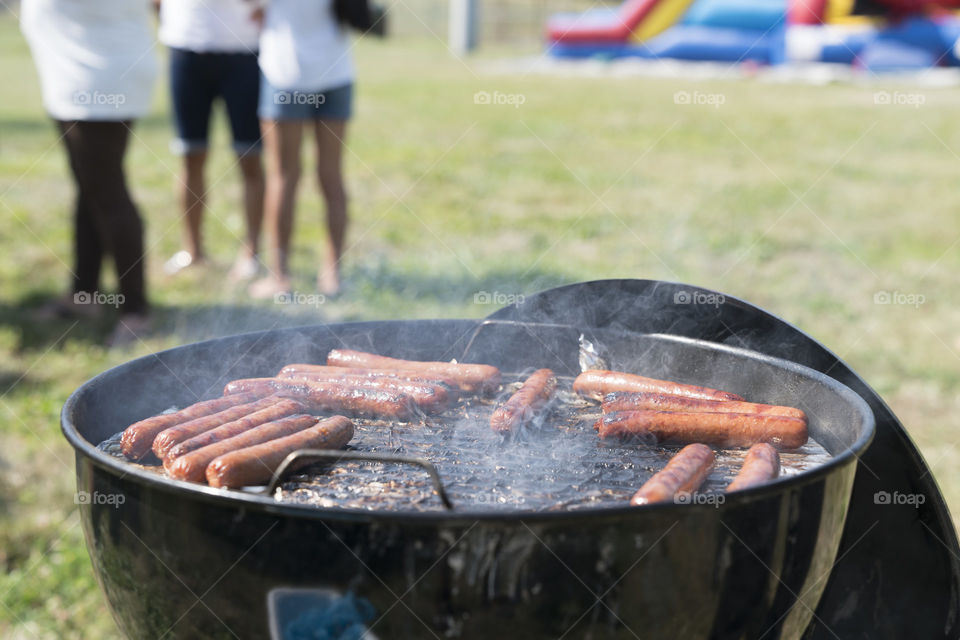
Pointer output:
x,y
186,561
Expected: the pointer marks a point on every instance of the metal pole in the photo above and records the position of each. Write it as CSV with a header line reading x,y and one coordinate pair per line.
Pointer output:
x,y
464,25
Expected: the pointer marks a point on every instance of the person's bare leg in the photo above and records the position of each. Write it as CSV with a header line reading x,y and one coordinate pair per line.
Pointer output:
x,y
251,170
281,140
193,191
251,167
330,135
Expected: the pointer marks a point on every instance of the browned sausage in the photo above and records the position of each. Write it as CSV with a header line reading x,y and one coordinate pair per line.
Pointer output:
x,y
193,466
685,472
469,377
283,408
526,403
256,464
719,429
761,465
324,370
632,401
596,384
168,438
138,437
332,397
429,397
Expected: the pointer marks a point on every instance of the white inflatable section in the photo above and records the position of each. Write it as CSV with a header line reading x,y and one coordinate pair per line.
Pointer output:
x,y
805,42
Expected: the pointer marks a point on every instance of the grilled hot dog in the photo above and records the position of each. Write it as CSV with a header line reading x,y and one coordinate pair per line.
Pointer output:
x,y
632,401
324,370
595,384
469,377
761,465
526,403
334,397
685,472
719,429
429,397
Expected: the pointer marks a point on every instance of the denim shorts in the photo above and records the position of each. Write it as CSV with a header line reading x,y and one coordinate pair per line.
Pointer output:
x,y
283,104
197,80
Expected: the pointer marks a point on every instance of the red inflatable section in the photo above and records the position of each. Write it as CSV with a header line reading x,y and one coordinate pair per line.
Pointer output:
x,y
807,11
580,29
814,11
903,8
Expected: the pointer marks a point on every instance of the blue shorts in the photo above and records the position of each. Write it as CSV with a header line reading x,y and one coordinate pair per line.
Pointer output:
x,y
197,80
282,104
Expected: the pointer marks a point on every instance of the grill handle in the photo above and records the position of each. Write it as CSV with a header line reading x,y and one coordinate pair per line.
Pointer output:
x,y
335,456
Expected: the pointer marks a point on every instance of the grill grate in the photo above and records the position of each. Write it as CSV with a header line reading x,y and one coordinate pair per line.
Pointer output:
x,y
559,464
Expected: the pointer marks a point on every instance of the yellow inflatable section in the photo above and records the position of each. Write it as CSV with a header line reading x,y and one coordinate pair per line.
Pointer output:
x,y
841,12
662,17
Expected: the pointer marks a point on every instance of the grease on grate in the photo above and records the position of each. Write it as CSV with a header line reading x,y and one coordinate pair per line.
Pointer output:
x,y
557,464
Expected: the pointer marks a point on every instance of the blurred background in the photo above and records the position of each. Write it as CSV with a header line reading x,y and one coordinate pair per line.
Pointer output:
x,y
823,202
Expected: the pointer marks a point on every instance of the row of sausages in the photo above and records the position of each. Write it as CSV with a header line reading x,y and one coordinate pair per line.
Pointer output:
x,y
661,410
235,440
671,412
242,438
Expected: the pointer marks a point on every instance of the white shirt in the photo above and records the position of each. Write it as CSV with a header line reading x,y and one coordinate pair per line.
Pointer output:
x,y
222,26
303,47
95,57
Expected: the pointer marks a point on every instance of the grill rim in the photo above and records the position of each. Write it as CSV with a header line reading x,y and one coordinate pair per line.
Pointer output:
x,y
458,516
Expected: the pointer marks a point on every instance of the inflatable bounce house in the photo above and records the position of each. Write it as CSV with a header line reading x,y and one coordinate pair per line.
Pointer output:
x,y
876,35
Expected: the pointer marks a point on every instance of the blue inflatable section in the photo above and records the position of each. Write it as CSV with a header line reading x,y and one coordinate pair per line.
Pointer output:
x,y
915,43
685,42
709,43
749,15
849,51
890,55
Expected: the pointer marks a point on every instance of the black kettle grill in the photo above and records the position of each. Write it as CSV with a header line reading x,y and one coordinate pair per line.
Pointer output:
x,y
827,554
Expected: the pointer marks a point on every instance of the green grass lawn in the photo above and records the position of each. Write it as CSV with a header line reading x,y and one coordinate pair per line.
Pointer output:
x,y
805,200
